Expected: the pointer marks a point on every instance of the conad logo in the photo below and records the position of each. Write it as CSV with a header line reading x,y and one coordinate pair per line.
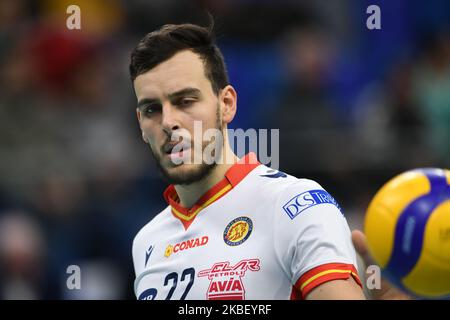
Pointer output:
x,y
188,244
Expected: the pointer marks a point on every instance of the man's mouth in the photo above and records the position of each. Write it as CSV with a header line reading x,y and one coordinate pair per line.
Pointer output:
x,y
176,150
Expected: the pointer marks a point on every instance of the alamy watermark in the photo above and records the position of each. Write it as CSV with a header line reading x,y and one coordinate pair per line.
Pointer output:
x,y
73,21
374,20
73,281
373,277
205,146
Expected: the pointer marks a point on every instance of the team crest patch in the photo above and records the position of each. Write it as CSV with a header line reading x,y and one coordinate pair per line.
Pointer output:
x,y
238,231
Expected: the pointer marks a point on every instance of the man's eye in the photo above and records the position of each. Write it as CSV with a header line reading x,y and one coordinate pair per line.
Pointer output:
x,y
149,110
186,102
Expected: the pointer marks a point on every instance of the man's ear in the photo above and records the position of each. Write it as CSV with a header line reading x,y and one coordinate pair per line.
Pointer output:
x,y
138,114
228,100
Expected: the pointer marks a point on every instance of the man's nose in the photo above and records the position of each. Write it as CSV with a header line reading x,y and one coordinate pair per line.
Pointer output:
x,y
169,120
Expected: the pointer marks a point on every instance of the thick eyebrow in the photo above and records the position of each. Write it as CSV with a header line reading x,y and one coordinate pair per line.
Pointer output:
x,y
145,102
172,96
185,92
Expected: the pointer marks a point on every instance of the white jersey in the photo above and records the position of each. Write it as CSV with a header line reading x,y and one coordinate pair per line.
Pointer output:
x,y
257,234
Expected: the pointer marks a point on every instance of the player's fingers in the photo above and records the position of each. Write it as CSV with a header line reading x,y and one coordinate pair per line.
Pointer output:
x,y
360,243
387,291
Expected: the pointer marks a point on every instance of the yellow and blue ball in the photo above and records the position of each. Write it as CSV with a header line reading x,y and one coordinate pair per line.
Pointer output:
x,y
407,226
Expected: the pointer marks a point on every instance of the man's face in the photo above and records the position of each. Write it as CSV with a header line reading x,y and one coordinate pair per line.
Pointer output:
x,y
171,97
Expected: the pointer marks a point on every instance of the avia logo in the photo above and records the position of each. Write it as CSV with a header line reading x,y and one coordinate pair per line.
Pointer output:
x,y
188,244
226,281
274,174
148,253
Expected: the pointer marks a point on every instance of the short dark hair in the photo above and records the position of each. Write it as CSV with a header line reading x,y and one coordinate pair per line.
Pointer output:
x,y
160,45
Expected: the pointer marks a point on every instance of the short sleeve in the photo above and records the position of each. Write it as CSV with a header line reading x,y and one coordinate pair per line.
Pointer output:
x,y
312,237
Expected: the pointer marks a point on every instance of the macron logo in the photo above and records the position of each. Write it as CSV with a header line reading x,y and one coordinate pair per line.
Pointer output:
x,y
306,200
148,254
274,174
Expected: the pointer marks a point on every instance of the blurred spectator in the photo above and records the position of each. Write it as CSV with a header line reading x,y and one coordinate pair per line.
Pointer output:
x,y
310,131
389,123
100,280
22,257
432,90
100,18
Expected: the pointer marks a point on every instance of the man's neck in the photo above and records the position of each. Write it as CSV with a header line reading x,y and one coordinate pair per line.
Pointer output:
x,y
189,194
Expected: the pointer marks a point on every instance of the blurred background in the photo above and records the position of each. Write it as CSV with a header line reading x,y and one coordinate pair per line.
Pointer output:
x,y
354,107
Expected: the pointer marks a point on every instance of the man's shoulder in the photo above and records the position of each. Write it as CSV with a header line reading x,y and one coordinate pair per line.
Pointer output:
x,y
278,183
152,227
286,192
294,195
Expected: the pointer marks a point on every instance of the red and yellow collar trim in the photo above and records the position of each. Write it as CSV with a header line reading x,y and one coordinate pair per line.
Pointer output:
x,y
233,176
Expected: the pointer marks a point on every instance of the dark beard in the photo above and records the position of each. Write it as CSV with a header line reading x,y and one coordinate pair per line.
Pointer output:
x,y
186,178
200,171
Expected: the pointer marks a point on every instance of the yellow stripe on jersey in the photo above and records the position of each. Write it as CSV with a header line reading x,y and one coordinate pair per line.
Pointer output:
x,y
207,203
323,273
